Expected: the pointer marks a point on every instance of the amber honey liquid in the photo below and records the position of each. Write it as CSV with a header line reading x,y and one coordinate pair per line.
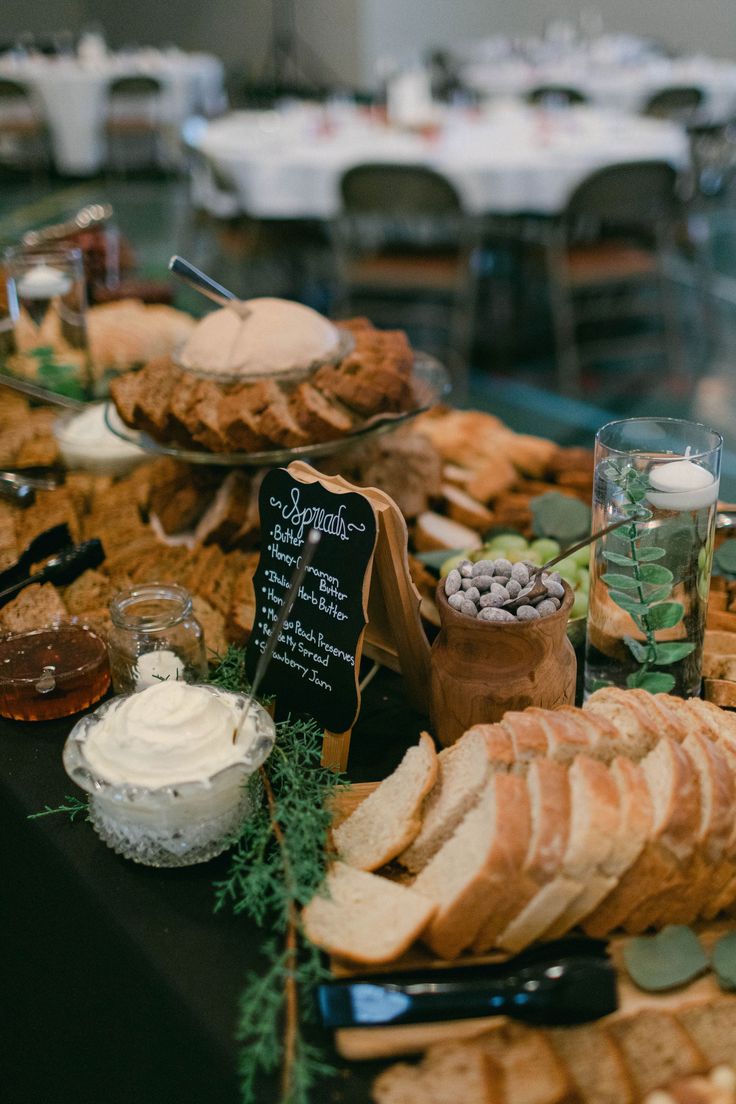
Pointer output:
x,y
52,672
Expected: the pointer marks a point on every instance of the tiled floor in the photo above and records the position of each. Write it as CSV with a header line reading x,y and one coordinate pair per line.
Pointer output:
x,y
513,370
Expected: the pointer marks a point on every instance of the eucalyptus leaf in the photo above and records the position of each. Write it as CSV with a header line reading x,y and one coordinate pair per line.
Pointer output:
x,y
671,652
639,651
656,682
723,960
560,517
620,561
651,552
664,961
666,615
620,582
656,594
627,602
724,558
655,573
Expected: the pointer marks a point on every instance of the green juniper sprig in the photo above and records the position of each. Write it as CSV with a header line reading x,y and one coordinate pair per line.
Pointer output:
x,y
644,589
278,862
73,808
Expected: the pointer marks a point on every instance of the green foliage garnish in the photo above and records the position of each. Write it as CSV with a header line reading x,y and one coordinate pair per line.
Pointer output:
x,y
560,517
73,808
278,861
643,587
723,959
725,558
665,961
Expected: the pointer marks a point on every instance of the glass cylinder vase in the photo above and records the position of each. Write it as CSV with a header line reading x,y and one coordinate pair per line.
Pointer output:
x,y
649,579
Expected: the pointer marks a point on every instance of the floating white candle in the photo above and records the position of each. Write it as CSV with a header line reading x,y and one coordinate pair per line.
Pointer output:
x,y
43,282
681,485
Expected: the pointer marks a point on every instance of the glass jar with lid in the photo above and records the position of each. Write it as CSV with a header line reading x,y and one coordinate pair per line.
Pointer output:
x,y
154,636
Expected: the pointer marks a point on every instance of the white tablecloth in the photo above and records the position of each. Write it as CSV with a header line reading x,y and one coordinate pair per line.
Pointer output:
x,y
609,82
73,97
505,160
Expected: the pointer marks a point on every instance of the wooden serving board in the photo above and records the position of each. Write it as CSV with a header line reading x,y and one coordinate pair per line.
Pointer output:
x,y
363,1043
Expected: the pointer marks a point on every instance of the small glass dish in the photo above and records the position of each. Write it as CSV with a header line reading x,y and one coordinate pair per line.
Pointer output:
x,y
52,672
154,635
175,825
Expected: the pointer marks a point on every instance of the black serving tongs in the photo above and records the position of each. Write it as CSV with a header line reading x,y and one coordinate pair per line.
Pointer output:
x,y
61,569
40,548
569,981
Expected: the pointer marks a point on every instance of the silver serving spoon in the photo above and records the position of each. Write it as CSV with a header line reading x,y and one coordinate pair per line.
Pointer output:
x,y
535,588
35,392
305,558
201,282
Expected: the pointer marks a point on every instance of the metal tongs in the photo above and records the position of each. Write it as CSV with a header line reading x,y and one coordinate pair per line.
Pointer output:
x,y
88,216
61,569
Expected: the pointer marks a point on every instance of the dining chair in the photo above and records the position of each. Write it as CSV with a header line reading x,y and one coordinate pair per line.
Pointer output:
x,y
555,95
678,103
133,121
24,134
405,249
614,236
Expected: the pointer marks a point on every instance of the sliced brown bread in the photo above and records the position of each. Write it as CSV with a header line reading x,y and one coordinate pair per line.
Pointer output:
x,y
227,512
716,1087
544,891
712,1026
322,419
389,819
39,604
710,866
476,871
365,918
532,1071
675,808
463,770
590,858
448,1073
656,1048
595,1064
279,426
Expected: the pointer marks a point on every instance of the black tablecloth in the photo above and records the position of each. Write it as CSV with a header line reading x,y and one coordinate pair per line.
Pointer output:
x,y
120,984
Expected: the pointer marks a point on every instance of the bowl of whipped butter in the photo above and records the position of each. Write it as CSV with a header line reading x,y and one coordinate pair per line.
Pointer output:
x,y
166,770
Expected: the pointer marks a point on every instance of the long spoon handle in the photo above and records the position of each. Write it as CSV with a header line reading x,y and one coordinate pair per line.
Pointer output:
x,y
581,544
200,281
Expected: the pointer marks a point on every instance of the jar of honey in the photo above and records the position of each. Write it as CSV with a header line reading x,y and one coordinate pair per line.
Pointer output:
x,y
52,672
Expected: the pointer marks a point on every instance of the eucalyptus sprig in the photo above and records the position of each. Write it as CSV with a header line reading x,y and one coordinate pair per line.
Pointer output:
x,y
277,863
644,588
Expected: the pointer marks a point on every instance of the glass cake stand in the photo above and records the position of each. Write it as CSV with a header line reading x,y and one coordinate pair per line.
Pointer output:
x,y
431,385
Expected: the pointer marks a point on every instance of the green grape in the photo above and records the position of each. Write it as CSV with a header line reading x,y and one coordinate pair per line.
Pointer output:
x,y
582,556
580,605
569,571
583,580
507,542
453,561
546,548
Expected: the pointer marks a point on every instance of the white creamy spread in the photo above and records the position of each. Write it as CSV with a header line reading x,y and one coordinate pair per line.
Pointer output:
x,y
166,734
85,439
44,282
258,337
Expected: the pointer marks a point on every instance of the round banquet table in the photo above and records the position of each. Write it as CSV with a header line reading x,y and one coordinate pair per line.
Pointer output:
x,y
505,159
623,85
72,95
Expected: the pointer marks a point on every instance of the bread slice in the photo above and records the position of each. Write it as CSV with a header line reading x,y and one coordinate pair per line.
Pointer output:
x,y
528,735
656,1049
38,605
476,871
532,1071
595,1064
434,533
590,858
389,819
607,740
706,875
462,772
717,1087
669,777
321,419
627,710
448,1073
544,891
712,1027
227,512
365,918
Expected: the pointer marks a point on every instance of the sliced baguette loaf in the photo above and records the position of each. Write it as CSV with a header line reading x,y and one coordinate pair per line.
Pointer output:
x,y
669,779
390,817
462,772
544,891
364,917
476,871
590,858
627,711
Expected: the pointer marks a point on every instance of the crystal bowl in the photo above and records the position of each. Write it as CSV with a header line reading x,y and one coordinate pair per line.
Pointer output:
x,y
175,825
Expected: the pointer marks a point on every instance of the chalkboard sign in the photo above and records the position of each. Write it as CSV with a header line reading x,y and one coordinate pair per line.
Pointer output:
x,y
314,668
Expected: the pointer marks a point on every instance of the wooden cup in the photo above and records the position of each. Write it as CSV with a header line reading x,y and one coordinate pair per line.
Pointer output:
x,y
482,669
